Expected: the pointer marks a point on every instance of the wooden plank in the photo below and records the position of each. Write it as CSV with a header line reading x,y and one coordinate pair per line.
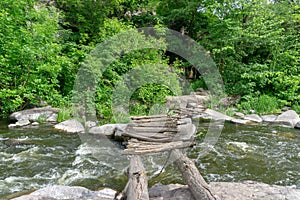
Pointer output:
x,y
192,177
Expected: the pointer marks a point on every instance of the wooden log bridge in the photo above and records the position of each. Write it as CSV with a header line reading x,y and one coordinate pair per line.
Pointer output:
x,y
154,134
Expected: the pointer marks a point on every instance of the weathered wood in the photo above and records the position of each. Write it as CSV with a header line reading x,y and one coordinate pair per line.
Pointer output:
x,y
192,177
147,137
162,120
152,124
151,129
137,182
148,117
140,147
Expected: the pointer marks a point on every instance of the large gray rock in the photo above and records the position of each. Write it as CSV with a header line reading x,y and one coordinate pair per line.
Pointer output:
x,y
170,192
20,123
69,193
247,190
108,129
253,118
269,118
47,113
70,126
288,118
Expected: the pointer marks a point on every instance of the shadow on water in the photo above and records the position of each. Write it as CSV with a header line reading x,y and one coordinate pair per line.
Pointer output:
x,y
46,157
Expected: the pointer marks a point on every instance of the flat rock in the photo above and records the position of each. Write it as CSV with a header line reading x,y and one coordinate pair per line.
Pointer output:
x,y
59,192
108,129
269,118
247,190
253,117
70,126
170,192
250,190
288,118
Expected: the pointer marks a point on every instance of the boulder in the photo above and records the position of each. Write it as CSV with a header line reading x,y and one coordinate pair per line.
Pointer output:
x,y
288,118
297,126
246,190
185,101
108,129
249,190
170,192
269,118
20,123
60,192
48,113
253,118
70,126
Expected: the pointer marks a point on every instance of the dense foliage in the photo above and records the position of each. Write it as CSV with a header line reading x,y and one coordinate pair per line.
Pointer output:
x,y
43,44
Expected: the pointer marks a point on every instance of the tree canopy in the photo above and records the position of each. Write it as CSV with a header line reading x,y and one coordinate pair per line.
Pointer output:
x,y
43,44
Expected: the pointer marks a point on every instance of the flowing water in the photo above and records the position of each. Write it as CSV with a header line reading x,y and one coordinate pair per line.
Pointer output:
x,y
44,157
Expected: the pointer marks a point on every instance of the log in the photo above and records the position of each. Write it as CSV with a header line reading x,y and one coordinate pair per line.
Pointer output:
x,y
152,124
192,177
136,147
147,137
138,181
151,129
148,117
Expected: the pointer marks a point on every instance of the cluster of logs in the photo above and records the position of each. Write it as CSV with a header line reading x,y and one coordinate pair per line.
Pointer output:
x,y
153,134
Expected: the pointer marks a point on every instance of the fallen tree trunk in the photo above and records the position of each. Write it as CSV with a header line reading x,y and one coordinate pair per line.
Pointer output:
x,y
192,177
137,183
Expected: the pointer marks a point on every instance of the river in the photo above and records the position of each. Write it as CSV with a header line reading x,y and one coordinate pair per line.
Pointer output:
x,y
260,153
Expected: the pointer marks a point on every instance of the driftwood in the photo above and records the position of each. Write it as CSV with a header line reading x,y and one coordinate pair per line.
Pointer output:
x,y
192,177
137,185
141,147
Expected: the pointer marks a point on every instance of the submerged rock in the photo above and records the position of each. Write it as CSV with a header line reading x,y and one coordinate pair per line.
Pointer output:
x,y
70,126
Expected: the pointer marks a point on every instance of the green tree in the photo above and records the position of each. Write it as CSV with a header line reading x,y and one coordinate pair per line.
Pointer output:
x,y
29,55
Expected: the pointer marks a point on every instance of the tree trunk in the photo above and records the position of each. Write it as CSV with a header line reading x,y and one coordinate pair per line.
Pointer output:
x,y
138,182
192,177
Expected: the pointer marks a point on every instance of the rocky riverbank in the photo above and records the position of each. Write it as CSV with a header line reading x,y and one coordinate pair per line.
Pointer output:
x,y
192,106
247,190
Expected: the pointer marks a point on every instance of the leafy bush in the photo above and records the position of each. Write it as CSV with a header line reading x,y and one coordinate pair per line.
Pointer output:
x,y
262,104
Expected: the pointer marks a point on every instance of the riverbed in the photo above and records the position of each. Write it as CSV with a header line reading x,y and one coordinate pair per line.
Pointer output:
x,y
47,157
